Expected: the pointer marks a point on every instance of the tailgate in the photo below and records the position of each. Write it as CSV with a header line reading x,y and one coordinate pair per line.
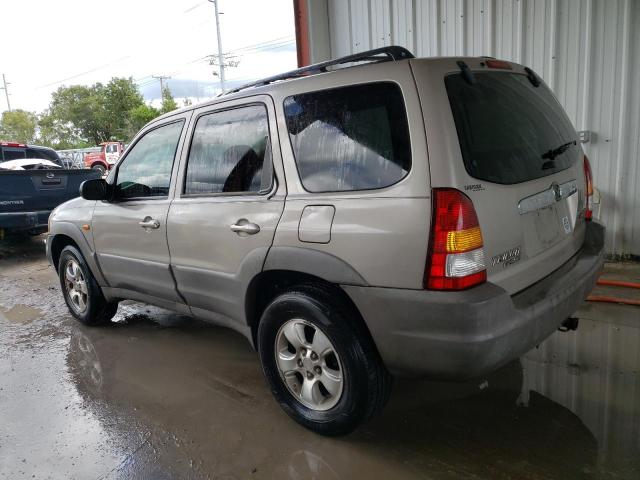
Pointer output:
x,y
514,152
34,190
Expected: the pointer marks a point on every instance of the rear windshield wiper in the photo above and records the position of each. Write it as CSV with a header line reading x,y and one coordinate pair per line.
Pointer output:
x,y
553,153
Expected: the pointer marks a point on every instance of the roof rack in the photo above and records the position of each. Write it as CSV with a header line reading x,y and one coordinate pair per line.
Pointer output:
x,y
384,54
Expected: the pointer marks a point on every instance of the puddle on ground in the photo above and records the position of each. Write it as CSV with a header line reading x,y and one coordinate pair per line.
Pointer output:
x,y
20,314
158,395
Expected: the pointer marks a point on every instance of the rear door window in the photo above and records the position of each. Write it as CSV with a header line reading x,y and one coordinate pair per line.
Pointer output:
x,y
510,131
230,153
349,138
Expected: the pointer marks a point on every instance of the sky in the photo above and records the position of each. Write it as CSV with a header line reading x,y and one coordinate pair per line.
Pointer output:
x,y
80,42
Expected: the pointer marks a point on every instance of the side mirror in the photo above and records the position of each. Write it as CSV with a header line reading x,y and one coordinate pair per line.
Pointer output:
x,y
95,189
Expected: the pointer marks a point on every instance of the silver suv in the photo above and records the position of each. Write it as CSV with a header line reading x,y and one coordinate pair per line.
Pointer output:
x,y
397,216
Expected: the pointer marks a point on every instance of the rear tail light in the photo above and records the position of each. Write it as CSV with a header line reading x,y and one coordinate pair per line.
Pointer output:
x,y
456,257
588,179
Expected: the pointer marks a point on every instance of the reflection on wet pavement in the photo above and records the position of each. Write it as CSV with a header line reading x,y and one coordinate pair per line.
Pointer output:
x,y
159,395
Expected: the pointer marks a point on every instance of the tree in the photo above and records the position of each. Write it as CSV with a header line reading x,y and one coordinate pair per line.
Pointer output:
x,y
59,135
18,126
80,110
79,115
168,103
120,97
139,117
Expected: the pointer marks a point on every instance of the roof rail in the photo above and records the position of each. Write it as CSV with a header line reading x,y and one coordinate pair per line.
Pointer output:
x,y
384,54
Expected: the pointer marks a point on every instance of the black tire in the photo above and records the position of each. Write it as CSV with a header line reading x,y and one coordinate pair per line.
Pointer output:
x,y
97,310
99,168
366,382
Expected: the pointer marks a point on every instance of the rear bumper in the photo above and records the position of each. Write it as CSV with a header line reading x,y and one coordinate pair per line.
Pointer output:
x,y
24,220
460,335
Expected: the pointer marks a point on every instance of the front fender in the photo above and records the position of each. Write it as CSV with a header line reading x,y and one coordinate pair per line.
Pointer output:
x,y
75,233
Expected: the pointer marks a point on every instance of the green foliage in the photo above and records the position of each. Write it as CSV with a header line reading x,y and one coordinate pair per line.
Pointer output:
x,y
139,117
58,134
121,95
168,102
80,116
18,126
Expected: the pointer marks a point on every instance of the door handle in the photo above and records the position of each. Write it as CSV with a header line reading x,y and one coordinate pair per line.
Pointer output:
x,y
244,227
149,222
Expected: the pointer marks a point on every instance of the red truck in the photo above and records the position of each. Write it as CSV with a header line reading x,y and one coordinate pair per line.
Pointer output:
x,y
105,158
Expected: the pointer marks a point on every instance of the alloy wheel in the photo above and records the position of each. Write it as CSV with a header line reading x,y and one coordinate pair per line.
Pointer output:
x,y
309,364
76,286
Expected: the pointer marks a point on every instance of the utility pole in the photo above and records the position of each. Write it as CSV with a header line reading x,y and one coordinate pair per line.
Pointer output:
x,y
220,54
6,91
162,78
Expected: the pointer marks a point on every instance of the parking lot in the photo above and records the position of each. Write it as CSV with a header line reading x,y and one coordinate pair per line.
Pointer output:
x,y
157,395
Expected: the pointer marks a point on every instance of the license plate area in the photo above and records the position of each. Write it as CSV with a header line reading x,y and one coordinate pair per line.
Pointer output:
x,y
548,217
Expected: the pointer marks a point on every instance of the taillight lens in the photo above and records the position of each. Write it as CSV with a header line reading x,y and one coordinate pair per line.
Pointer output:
x,y
456,257
588,179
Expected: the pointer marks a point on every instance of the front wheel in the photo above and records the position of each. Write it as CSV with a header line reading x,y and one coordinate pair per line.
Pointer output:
x,y
81,291
320,364
100,169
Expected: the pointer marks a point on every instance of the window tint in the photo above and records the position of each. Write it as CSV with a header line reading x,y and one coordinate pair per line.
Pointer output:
x,y
228,152
509,130
43,153
13,153
146,172
349,138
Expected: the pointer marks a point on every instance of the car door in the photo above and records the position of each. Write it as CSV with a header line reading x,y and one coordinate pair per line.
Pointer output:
x,y
130,232
227,205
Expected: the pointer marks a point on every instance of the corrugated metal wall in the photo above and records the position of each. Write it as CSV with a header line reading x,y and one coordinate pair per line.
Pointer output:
x,y
588,51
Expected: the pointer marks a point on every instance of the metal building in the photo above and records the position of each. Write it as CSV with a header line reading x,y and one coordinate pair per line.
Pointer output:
x,y
588,52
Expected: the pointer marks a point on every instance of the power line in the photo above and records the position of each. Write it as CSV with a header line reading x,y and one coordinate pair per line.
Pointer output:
x,y
6,91
85,72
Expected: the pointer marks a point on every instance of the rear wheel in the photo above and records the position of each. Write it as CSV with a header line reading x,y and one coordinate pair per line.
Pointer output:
x,y
320,364
99,168
81,291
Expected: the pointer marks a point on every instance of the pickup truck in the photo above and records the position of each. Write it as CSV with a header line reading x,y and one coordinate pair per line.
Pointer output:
x,y
106,158
31,188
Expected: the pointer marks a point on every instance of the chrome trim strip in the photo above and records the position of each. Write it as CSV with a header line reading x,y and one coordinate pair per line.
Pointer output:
x,y
548,197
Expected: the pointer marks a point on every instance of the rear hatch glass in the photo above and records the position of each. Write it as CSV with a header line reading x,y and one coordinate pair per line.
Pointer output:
x,y
517,138
509,130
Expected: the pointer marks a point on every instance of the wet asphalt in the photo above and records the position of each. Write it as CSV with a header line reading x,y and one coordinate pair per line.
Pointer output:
x,y
156,395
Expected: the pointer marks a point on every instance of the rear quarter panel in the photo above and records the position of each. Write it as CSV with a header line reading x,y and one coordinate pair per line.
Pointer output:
x,y
382,234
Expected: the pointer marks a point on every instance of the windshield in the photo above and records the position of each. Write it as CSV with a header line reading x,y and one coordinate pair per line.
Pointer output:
x,y
509,130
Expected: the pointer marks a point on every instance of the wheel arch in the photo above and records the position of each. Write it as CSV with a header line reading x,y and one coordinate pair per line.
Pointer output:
x,y
66,233
268,284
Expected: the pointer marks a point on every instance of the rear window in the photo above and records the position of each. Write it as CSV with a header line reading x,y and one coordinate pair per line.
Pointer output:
x,y
349,138
509,130
13,153
44,154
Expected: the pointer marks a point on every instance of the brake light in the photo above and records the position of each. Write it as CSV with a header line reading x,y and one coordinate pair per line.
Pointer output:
x,y
456,254
588,179
498,64
12,144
